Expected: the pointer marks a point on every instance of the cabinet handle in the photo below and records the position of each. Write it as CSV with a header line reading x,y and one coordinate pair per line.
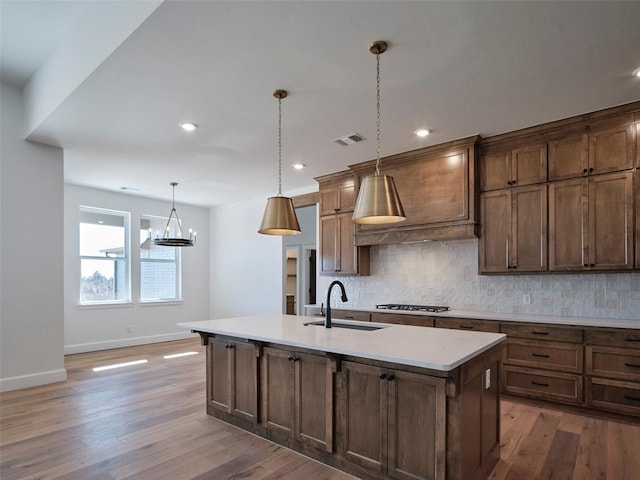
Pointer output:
x,y
591,170
348,317
508,182
467,327
542,355
391,377
513,182
584,171
536,332
229,346
634,365
336,209
293,358
383,376
630,397
539,384
632,339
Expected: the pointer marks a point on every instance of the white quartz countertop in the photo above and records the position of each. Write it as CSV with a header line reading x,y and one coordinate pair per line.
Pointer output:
x,y
432,348
506,317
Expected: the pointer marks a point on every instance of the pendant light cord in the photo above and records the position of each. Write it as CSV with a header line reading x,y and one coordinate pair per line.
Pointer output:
x,y
378,113
279,147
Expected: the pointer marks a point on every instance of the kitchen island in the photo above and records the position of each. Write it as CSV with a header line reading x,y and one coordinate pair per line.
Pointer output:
x,y
388,401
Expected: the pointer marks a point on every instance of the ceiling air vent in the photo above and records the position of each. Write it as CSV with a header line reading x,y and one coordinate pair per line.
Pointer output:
x,y
349,139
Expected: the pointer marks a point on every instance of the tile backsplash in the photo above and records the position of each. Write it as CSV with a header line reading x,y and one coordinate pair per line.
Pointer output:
x,y
446,273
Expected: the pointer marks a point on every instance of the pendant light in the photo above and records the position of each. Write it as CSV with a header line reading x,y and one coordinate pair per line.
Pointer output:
x,y
279,215
378,201
173,236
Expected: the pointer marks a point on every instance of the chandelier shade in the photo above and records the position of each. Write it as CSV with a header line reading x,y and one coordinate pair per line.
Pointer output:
x,y
173,235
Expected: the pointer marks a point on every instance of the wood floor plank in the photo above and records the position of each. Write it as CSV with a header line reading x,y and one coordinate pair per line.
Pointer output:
x,y
148,422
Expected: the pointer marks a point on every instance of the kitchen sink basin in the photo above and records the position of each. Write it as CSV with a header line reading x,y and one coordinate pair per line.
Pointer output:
x,y
351,326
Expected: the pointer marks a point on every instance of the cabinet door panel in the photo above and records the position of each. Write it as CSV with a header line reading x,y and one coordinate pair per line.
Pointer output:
x,y
495,171
568,157
637,188
611,221
365,415
328,243
416,421
529,165
611,145
529,229
314,402
567,229
495,231
278,378
245,382
220,381
347,260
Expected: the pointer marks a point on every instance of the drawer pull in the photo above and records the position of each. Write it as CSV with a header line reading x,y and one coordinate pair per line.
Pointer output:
x,y
536,332
542,355
635,365
632,339
629,397
348,317
467,327
539,384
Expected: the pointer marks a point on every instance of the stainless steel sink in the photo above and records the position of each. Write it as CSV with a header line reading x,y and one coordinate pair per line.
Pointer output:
x,y
334,324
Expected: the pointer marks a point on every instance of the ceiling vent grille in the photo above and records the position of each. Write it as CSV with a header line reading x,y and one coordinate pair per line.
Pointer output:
x,y
350,139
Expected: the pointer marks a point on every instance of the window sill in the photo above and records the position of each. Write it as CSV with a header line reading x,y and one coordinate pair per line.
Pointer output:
x,y
159,303
90,306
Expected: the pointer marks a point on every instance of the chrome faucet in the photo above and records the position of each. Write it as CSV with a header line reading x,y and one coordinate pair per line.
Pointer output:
x,y
327,318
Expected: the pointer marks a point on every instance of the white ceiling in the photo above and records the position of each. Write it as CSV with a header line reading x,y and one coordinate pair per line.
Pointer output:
x,y
110,82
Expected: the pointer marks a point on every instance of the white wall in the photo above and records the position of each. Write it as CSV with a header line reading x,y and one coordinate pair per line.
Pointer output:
x,y
246,268
96,328
31,242
446,273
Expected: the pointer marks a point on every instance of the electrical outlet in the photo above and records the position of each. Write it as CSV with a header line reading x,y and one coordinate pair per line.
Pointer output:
x,y
526,299
487,379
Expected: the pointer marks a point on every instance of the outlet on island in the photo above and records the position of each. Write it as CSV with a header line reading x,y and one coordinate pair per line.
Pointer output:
x,y
526,299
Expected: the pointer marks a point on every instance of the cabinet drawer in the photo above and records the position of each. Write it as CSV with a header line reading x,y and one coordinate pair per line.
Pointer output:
x,y
566,357
614,395
614,337
613,362
350,315
538,331
562,387
399,319
468,324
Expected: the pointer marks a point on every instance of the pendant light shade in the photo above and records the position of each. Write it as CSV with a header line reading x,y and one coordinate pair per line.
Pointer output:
x,y
378,202
279,215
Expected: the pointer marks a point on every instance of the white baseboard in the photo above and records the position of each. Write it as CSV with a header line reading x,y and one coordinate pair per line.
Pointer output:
x,y
125,342
32,380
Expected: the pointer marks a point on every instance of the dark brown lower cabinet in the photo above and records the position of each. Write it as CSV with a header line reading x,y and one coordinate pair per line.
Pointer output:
x,y
297,398
393,421
232,385
373,419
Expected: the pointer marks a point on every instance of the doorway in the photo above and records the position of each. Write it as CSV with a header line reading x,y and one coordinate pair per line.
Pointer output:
x,y
300,263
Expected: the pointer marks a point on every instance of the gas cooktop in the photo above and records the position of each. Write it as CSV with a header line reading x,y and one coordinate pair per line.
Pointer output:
x,y
412,308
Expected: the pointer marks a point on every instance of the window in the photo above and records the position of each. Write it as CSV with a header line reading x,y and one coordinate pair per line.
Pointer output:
x,y
104,256
160,278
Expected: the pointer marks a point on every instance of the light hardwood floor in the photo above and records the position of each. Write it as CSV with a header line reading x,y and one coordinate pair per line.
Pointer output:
x,y
148,421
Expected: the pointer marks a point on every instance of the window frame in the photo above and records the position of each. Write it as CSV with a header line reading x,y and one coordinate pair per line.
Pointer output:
x,y
177,261
127,298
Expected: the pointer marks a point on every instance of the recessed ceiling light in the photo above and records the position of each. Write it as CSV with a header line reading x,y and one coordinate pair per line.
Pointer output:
x,y
189,126
423,132
299,166
637,73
